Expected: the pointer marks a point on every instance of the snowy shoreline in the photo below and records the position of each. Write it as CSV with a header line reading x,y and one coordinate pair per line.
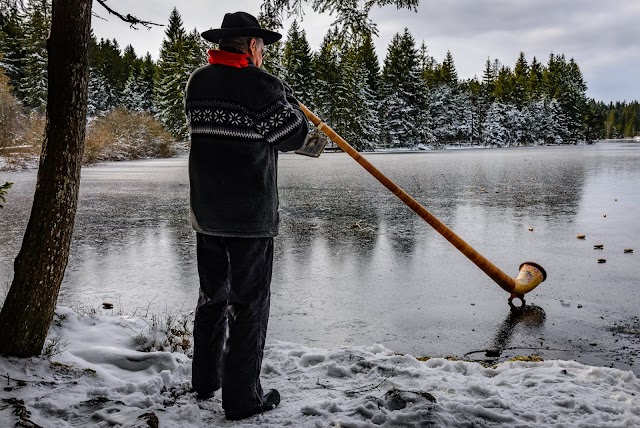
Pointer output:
x,y
100,379
32,162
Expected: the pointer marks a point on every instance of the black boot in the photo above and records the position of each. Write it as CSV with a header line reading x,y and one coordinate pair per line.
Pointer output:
x,y
269,402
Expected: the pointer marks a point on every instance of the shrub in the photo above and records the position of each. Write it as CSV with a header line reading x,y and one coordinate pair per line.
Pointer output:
x,y
18,130
21,134
10,112
122,134
118,135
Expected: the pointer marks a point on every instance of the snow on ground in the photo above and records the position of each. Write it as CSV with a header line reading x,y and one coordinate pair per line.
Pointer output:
x,y
100,380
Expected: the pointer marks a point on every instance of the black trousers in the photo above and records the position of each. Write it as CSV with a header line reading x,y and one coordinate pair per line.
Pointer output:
x,y
231,318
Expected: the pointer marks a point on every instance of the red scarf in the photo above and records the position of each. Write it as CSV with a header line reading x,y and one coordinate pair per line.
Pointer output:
x,y
228,58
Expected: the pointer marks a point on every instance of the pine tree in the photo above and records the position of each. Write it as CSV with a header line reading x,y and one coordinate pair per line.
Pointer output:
x,y
610,124
429,68
327,70
147,84
558,124
534,80
449,110
541,124
33,85
574,102
128,62
113,71
486,98
552,77
172,78
503,87
563,83
488,78
366,54
131,93
296,61
272,60
494,129
520,81
12,49
448,73
196,51
593,122
106,78
403,93
357,106
101,96
474,92
396,118
362,66
630,119
450,113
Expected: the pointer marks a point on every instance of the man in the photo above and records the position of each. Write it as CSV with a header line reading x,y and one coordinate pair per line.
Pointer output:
x,y
239,117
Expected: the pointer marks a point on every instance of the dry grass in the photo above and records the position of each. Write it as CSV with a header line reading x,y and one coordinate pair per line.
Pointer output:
x,y
118,135
20,133
171,332
533,358
10,113
123,135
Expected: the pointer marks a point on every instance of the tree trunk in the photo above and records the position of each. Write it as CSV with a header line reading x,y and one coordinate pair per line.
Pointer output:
x,y
41,262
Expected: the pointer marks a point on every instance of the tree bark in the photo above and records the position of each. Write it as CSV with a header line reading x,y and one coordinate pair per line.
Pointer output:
x,y
41,262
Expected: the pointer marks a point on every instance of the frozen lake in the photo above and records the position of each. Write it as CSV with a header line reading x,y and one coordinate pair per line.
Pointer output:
x,y
355,266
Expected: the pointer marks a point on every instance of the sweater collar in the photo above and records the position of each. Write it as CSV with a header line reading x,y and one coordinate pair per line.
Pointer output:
x,y
231,59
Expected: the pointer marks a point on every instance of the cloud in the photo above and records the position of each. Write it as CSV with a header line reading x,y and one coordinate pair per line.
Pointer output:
x,y
602,36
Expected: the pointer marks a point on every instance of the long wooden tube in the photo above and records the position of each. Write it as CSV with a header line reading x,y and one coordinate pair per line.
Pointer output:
x,y
530,275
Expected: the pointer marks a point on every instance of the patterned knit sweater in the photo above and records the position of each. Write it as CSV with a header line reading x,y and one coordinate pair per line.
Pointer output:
x,y
239,118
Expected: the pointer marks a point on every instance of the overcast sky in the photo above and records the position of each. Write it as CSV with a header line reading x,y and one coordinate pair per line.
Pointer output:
x,y
603,36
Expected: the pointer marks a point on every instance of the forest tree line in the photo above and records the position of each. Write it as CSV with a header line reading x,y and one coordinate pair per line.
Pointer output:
x,y
409,100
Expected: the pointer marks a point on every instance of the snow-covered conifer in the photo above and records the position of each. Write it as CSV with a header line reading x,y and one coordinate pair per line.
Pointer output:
x,y
172,78
147,84
403,93
132,95
357,105
327,71
33,85
296,61
12,50
102,97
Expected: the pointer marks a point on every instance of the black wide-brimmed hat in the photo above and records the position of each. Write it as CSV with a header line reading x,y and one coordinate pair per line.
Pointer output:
x,y
241,24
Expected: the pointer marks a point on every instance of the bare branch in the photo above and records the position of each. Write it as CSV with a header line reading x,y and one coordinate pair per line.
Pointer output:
x,y
98,16
352,16
128,17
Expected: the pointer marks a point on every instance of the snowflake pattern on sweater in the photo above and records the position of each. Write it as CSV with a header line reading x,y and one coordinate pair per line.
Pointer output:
x,y
229,120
